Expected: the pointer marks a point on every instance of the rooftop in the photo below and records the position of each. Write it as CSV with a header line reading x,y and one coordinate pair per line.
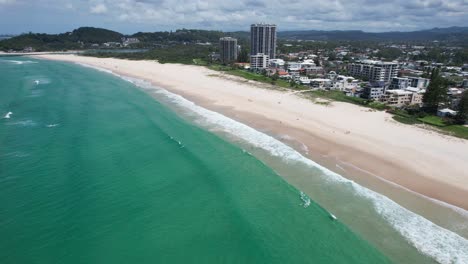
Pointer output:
x,y
377,62
227,38
263,24
399,92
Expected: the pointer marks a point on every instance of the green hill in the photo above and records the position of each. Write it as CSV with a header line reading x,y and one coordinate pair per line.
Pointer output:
x,y
77,39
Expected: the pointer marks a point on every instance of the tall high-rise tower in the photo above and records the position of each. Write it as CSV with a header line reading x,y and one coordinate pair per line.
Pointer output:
x,y
263,39
228,49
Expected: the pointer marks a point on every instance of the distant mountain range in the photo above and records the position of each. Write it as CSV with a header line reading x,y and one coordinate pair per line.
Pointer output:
x,y
455,34
86,36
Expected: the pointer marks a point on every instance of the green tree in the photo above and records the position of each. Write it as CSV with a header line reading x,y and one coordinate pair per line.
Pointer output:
x,y
292,83
436,92
389,53
317,61
275,76
462,115
243,56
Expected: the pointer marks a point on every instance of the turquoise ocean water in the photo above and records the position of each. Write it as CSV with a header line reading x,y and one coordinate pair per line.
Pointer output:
x,y
93,170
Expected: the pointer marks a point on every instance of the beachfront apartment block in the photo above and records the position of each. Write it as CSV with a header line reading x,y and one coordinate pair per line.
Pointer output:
x,y
320,83
373,91
399,83
228,50
419,82
259,61
399,98
263,39
374,71
405,82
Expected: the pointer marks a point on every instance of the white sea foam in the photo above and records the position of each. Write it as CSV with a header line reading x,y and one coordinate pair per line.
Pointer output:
x,y
458,210
20,62
37,80
52,125
8,115
441,244
98,68
305,199
177,141
36,93
24,123
16,154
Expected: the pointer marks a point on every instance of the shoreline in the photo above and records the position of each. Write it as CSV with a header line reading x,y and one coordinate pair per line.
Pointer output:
x,y
352,154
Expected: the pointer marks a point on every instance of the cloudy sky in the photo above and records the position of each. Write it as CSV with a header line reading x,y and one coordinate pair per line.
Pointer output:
x,y
129,16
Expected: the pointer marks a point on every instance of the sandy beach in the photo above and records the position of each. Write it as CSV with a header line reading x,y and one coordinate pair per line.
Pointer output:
x,y
361,144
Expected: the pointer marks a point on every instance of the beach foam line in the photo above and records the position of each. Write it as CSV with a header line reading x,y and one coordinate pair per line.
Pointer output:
x,y
441,244
457,209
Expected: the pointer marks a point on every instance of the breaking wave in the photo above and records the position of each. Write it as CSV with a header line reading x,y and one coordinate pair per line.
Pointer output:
x,y
441,244
20,62
8,115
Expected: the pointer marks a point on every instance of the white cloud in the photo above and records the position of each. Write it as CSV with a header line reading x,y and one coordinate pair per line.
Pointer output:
x,y
369,15
137,15
5,2
99,9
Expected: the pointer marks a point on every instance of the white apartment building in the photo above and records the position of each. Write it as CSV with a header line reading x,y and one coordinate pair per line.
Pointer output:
x,y
344,83
277,63
294,66
306,66
129,41
399,83
302,79
399,98
259,61
419,82
320,83
375,71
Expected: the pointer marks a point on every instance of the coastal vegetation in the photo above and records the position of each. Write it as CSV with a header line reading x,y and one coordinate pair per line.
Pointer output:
x,y
462,115
80,38
195,47
412,116
342,97
183,54
254,76
442,125
436,92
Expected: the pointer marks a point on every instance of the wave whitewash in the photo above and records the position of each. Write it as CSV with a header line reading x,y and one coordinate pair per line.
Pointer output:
x,y
119,178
